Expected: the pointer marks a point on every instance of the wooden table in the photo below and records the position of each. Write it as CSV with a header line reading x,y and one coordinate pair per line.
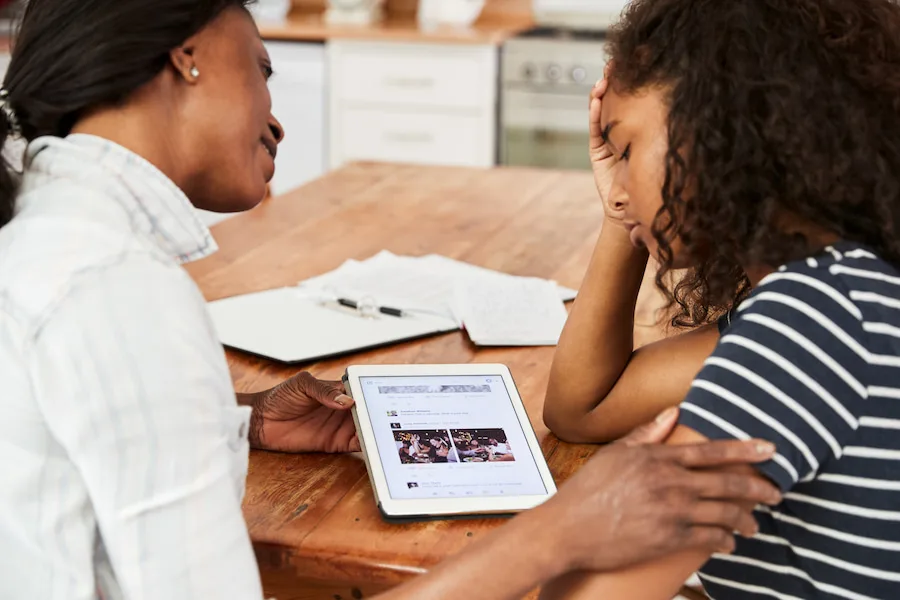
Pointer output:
x,y
313,520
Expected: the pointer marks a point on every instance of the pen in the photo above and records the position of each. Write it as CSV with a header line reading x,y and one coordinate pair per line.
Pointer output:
x,y
386,310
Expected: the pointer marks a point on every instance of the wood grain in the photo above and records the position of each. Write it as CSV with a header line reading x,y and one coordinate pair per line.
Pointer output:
x,y
313,519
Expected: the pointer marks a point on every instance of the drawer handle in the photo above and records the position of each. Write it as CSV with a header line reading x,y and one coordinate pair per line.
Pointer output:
x,y
408,137
409,82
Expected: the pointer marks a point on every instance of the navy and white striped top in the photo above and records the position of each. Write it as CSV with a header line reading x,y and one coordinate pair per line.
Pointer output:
x,y
811,361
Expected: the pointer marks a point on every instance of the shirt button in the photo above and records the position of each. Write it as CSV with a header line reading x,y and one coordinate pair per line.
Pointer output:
x,y
242,430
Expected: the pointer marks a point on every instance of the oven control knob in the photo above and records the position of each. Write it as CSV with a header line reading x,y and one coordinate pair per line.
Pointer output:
x,y
579,74
554,72
529,71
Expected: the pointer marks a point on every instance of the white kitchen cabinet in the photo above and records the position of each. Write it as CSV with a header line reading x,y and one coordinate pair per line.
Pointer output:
x,y
414,103
299,102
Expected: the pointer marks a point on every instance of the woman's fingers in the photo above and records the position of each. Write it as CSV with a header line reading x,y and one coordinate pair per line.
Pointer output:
x,y
654,432
734,486
714,540
728,516
718,453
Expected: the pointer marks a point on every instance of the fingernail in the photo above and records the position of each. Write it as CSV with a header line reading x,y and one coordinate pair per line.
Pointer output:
x,y
765,448
342,400
666,414
599,81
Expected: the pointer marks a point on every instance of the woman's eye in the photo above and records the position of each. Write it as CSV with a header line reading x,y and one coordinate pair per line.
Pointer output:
x,y
268,72
626,154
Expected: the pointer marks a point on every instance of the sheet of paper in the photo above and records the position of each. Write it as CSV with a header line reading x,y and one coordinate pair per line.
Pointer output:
x,y
514,311
465,270
421,284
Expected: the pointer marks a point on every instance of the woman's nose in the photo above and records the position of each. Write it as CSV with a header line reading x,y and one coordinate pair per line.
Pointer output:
x,y
276,129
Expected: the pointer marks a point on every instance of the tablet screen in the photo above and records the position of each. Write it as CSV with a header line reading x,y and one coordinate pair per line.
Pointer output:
x,y
449,437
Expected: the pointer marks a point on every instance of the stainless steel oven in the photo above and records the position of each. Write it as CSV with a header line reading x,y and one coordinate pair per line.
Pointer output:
x,y
546,77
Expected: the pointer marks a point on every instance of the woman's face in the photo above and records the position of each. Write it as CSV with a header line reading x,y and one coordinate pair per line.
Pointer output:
x,y
228,125
637,132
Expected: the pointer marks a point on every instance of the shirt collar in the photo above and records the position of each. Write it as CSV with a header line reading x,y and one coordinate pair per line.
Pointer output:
x,y
158,209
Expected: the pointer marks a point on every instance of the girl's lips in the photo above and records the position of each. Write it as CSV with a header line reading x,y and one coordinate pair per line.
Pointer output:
x,y
634,234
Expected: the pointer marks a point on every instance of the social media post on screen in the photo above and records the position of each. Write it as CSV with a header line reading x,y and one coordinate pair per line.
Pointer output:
x,y
449,436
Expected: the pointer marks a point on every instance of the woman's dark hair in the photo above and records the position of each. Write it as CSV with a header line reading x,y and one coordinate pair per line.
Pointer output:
x,y
70,56
778,109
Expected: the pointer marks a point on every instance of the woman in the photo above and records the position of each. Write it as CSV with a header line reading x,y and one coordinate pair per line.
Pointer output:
x,y
756,143
124,453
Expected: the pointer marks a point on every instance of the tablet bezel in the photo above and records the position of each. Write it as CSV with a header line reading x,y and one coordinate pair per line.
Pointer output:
x,y
434,507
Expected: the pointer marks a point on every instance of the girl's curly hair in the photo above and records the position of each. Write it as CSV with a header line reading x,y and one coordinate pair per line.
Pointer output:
x,y
777,107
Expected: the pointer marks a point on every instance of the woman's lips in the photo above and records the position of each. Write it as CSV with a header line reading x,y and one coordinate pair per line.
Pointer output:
x,y
270,146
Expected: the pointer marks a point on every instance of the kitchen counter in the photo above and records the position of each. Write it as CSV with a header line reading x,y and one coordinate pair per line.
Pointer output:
x,y
311,27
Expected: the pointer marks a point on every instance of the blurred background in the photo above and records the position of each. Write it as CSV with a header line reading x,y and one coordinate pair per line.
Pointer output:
x,y
440,82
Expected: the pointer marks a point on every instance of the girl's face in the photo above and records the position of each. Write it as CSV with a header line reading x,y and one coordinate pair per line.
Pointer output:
x,y
636,129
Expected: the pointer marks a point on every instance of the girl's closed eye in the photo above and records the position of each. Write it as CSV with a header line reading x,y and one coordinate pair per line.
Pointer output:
x,y
604,135
626,154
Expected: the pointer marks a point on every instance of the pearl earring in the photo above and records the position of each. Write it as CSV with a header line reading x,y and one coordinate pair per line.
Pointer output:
x,y
195,72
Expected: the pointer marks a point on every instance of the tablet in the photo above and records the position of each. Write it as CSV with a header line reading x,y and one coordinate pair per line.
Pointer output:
x,y
447,440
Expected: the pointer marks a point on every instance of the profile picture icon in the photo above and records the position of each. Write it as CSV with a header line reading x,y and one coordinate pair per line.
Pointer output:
x,y
395,425
392,413
412,484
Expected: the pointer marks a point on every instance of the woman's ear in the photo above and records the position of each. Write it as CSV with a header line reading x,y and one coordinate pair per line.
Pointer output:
x,y
182,61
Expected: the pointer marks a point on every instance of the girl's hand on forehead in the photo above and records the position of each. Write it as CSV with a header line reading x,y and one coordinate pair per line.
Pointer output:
x,y
603,159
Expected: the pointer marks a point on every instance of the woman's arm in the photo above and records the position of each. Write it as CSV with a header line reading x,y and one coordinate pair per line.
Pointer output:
x,y
655,580
619,509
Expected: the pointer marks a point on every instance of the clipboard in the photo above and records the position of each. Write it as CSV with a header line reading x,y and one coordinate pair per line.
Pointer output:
x,y
283,325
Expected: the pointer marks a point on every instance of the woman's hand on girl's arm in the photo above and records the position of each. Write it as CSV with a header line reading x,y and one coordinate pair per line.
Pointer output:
x,y
662,578
634,501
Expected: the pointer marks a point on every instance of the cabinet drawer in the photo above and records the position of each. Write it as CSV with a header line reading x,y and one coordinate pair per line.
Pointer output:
x,y
414,74
422,138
